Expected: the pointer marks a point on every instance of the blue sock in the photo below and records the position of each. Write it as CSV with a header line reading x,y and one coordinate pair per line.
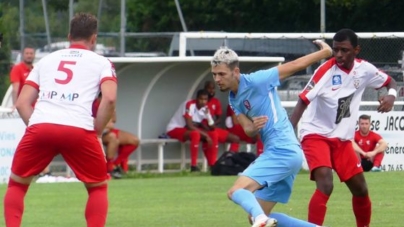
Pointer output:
x,y
247,201
287,221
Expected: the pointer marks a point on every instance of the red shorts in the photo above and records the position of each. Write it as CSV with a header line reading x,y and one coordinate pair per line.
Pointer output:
x,y
333,153
222,135
239,131
178,133
80,149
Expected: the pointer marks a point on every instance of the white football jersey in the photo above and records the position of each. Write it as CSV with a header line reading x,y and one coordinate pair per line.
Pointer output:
x,y
333,95
68,82
187,109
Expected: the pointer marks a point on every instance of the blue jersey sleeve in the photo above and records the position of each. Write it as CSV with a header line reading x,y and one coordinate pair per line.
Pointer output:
x,y
265,79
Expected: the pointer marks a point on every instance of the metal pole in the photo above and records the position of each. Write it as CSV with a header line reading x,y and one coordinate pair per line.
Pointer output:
x,y
70,11
184,26
22,35
45,14
123,27
99,13
322,17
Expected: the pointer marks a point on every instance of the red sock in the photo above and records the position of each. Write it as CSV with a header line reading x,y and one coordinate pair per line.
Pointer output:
x,y
97,206
211,152
110,165
14,203
260,147
124,152
234,147
362,208
125,165
318,207
195,138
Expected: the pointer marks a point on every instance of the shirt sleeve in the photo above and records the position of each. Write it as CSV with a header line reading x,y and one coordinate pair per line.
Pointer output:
x,y
15,74
264,79
108,71
376,137
187,110
376,78
33,78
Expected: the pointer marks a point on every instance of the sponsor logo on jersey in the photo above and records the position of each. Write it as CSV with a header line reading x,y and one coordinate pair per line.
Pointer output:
x,y
356,83
247,104
54,95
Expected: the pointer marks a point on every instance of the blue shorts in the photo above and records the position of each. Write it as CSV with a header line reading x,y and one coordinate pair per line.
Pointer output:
x,y
276,169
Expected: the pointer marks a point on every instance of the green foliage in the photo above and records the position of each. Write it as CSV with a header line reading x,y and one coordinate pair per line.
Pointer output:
x,y
4,58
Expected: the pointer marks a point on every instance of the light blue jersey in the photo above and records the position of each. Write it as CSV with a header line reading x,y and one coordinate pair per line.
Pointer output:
x,y
277,167
257,96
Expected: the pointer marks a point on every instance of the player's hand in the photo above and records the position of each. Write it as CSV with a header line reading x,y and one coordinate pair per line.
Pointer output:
x,y
323,46
259,122
209,141
386,103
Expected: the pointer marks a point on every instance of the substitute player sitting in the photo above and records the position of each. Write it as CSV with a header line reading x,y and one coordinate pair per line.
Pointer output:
x,y
119,144
186,124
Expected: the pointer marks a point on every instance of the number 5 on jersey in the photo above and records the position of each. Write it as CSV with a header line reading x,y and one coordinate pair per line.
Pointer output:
x,y
63,67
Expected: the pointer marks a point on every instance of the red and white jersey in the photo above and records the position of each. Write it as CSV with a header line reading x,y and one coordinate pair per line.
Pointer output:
x,y
187,109
215,107
334,95
68,82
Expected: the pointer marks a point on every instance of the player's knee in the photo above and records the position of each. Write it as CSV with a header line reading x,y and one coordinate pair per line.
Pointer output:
x,y
194,135
325,186
134,140
230,192
233,138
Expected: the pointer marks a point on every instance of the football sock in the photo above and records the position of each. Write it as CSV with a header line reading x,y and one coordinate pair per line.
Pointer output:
x,y
287,221
110,165
362,208
234,147
125,165
124,153
14,203
214,149
248,202
195,138
318,207
97,206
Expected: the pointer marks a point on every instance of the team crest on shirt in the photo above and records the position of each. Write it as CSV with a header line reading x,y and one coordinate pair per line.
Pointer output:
x,y
247,104
356,83
336,80
368,142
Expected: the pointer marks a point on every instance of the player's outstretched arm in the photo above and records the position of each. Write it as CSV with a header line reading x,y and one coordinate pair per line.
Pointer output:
x,y
289,68
297,112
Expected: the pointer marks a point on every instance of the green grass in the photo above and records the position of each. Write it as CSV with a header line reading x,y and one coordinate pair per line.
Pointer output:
x,y
184,200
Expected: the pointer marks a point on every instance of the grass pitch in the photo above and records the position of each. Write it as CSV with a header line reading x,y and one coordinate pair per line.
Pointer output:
x,y
188,200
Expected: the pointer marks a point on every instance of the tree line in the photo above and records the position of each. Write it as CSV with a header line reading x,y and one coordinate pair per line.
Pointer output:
x,y
200,15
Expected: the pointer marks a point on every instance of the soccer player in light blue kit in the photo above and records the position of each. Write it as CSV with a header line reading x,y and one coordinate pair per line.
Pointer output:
x,y
253,97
